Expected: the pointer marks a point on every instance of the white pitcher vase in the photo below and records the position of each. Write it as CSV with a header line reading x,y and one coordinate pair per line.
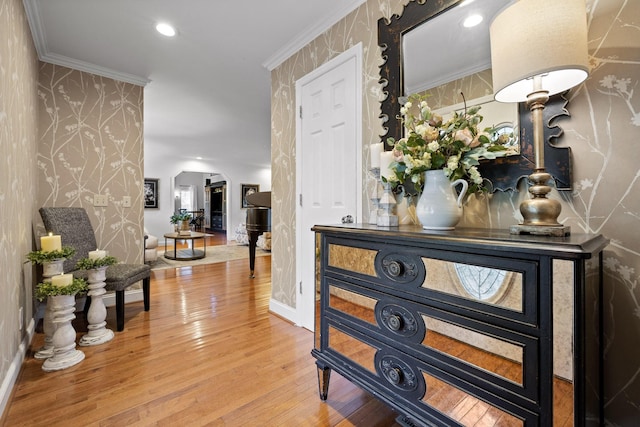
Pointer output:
x,y
439,206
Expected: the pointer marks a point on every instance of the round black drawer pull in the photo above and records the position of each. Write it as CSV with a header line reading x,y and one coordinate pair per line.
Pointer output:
x,y
400,374
395,322
394,376
400,267
398,321
395,268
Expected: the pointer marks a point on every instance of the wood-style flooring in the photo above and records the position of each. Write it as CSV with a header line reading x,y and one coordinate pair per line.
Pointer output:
x,y
207,353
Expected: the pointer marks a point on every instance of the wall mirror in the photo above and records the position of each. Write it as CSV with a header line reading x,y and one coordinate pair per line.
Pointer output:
x,y
428,49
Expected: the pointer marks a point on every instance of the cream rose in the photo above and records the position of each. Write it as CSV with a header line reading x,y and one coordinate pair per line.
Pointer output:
x,y
431,134
398,155
433,146
464,135
452,163
436,120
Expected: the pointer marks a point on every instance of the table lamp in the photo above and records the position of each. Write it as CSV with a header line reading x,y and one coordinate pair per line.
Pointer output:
x,y
539,49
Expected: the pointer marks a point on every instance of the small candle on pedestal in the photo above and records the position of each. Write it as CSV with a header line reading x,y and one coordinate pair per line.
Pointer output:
x,y
50,243
97,254
386,158
61,280
376,150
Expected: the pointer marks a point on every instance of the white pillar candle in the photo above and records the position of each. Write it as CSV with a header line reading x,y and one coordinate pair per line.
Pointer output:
x,y
50,243
61,280
376,150
97,254
386,157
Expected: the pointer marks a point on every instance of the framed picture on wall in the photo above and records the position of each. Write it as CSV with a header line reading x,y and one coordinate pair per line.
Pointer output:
x,y
151,193
246,190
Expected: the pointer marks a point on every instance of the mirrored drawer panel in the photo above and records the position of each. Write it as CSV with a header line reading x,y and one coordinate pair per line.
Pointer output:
x,y
493,286
469,349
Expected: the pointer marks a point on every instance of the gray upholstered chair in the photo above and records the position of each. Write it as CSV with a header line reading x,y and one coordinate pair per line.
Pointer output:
x,y
75,230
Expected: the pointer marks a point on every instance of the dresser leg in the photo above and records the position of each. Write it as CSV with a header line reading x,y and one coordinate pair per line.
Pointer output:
x,y
323,382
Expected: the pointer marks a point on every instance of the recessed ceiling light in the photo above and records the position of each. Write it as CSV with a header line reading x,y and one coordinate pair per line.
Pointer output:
x,y
166,29
472,21
198,158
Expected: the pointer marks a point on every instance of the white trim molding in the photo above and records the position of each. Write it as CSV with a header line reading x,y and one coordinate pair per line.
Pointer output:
x,y
310,34
11,377
37,33
284,311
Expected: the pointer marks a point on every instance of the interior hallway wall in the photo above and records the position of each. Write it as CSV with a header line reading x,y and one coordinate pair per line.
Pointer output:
x,y
603,133
18,187
91,143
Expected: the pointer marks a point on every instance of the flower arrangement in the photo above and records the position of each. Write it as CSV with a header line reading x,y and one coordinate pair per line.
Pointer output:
x,y
47,289
93,263
176,218
40,257
455,146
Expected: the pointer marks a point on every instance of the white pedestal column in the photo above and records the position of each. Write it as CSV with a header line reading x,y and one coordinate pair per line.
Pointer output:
x,y
98,333
49,269
65,354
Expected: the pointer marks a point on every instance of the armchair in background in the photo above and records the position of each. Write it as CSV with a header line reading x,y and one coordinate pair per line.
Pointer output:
x,y
150,247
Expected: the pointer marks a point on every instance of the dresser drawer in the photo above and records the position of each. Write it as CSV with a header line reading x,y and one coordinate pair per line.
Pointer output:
x,y
426,391
492,356
435,277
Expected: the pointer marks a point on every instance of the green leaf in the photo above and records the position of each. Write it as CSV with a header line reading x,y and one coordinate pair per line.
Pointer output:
x,y
47,289
39,257
90,264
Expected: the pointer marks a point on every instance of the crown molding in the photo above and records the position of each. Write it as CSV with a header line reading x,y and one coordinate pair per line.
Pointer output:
x,y
309,35
87,67
37,33
460,73
35,24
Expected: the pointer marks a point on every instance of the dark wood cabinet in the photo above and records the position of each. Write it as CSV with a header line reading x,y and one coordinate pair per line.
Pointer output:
x,y
217,199
445,325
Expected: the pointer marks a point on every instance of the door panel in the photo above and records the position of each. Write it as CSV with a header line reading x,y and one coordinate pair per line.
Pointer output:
x,y
327,163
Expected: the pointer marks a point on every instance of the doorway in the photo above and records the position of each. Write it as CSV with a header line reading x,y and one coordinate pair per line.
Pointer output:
x,y
190,194
328,162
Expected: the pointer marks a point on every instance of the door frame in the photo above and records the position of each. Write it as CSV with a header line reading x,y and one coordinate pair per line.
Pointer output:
x,y
353,52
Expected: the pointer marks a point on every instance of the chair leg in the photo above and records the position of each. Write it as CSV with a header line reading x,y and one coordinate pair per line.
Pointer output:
x,y
120,310
146,289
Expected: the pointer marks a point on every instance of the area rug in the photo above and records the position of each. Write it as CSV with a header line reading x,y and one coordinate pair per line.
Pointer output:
x,y
218,253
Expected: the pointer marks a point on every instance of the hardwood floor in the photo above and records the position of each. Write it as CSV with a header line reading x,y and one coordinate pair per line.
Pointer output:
x,y
208,353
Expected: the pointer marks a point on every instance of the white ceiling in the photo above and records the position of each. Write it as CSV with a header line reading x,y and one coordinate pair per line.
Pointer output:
x,y
207,90
444,50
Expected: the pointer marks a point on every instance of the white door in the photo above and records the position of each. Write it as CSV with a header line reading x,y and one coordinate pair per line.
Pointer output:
x,y
329,182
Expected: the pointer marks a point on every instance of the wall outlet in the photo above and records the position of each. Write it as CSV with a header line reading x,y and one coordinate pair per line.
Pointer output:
x,y
99,200
126,201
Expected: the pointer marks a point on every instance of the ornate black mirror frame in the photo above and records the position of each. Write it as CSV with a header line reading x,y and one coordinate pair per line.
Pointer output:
x,y
504,173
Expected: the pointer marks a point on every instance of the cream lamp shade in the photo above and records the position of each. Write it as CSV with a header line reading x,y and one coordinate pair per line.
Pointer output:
x,y
539,38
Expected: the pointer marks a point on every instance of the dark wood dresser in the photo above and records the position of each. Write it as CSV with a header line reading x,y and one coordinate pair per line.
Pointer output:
x,y
466,326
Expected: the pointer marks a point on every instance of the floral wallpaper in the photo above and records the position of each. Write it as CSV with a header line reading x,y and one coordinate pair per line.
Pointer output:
x,y
18,147
91,143
602,132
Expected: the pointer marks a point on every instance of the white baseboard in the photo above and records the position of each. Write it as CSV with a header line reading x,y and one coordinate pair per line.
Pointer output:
x,y
14,369
284,311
